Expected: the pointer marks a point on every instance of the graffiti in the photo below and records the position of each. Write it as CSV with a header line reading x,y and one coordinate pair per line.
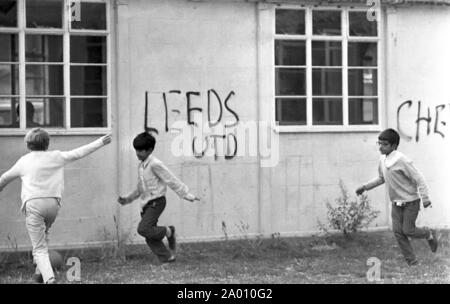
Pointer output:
x,y
432,118
224,140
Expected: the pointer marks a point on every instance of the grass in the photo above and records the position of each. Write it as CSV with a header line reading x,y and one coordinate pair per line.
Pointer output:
x,y
325,259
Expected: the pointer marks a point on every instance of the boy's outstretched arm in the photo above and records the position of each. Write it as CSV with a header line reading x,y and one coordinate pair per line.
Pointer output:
x,y
125,200
375,182
173,182
10,175
416,176
85,150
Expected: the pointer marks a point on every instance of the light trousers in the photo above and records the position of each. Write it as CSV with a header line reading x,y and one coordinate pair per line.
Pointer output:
x,y
40,214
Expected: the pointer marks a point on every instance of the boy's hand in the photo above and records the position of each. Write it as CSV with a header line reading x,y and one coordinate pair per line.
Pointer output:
x,y
192,198
122,200
360,190
426,204
107,139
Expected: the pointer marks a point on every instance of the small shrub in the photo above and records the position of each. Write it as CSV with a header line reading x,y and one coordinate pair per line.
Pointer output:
x,y
350,215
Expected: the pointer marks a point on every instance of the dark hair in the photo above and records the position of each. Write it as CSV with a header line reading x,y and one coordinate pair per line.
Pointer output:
x,y
30,110
391,136
144,141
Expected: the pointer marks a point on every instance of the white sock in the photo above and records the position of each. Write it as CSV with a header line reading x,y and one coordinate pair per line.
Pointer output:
x,y
169,232
431,236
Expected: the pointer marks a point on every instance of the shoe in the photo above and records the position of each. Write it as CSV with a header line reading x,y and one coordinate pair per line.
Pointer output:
x,y
170,260
172,239
51,281
37,278
433,242
413,263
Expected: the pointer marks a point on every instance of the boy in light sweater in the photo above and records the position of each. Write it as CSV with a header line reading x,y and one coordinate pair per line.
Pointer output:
x,y
42,175
406,187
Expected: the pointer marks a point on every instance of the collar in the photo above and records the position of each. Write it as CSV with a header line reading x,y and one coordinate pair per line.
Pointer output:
x,y
145,162
392,158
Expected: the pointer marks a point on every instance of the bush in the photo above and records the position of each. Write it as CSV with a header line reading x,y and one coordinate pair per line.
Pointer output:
x,y
350,215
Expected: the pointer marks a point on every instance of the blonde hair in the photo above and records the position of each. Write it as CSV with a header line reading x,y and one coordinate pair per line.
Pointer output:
x,y
37,139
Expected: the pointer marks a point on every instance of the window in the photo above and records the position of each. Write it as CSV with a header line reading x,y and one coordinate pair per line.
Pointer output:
x,y
54,63
325,69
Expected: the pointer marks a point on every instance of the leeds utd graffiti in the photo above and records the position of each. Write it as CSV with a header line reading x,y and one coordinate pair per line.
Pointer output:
x,y
431,117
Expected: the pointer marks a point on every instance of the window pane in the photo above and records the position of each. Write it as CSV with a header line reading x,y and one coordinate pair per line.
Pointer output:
x,y
360,25
290,81
8,48
363,111
46,112
88,112
43,48
9,79
92,16
327,23
326,53
362,54
8,113
362,82
290,111
290,22
290,52
44,13
327,81
88,80
327,111
44,80
8,13
87,49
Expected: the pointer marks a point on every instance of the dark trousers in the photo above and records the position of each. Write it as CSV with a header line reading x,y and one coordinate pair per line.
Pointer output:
x,y
152,233
404,227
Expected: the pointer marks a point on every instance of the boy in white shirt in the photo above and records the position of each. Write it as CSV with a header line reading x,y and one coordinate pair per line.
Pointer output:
x,y
406,187
153,179
42,175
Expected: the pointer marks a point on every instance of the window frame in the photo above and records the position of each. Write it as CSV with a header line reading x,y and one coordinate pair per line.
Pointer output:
x,y
345,38
66,31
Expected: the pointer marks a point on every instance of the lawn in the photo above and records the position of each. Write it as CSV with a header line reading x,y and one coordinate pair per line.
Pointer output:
x,y
330,258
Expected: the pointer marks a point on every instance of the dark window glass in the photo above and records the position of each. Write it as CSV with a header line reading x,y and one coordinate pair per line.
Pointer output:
x,y
362,82
88,112
363,111
290,22
47,112
43,48
327,23
290,81
44,13
44,80
8,113
8,13
362,54
92,16
290,52
360,25
9,79
327,111
289,111
8,48
327,81
88,80
87,49
326,53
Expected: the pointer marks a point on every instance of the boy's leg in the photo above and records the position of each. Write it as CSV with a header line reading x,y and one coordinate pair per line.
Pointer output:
x,y
410,214
40,214
403,241
152,233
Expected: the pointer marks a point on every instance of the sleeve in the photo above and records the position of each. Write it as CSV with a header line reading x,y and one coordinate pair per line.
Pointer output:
x,y
10,175
375,182
78,153
170,179
417,178
134,195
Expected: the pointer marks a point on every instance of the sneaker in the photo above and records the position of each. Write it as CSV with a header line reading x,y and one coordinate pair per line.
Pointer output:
x,y
433,242
172,239
413,263
51,281
170,260
37,278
